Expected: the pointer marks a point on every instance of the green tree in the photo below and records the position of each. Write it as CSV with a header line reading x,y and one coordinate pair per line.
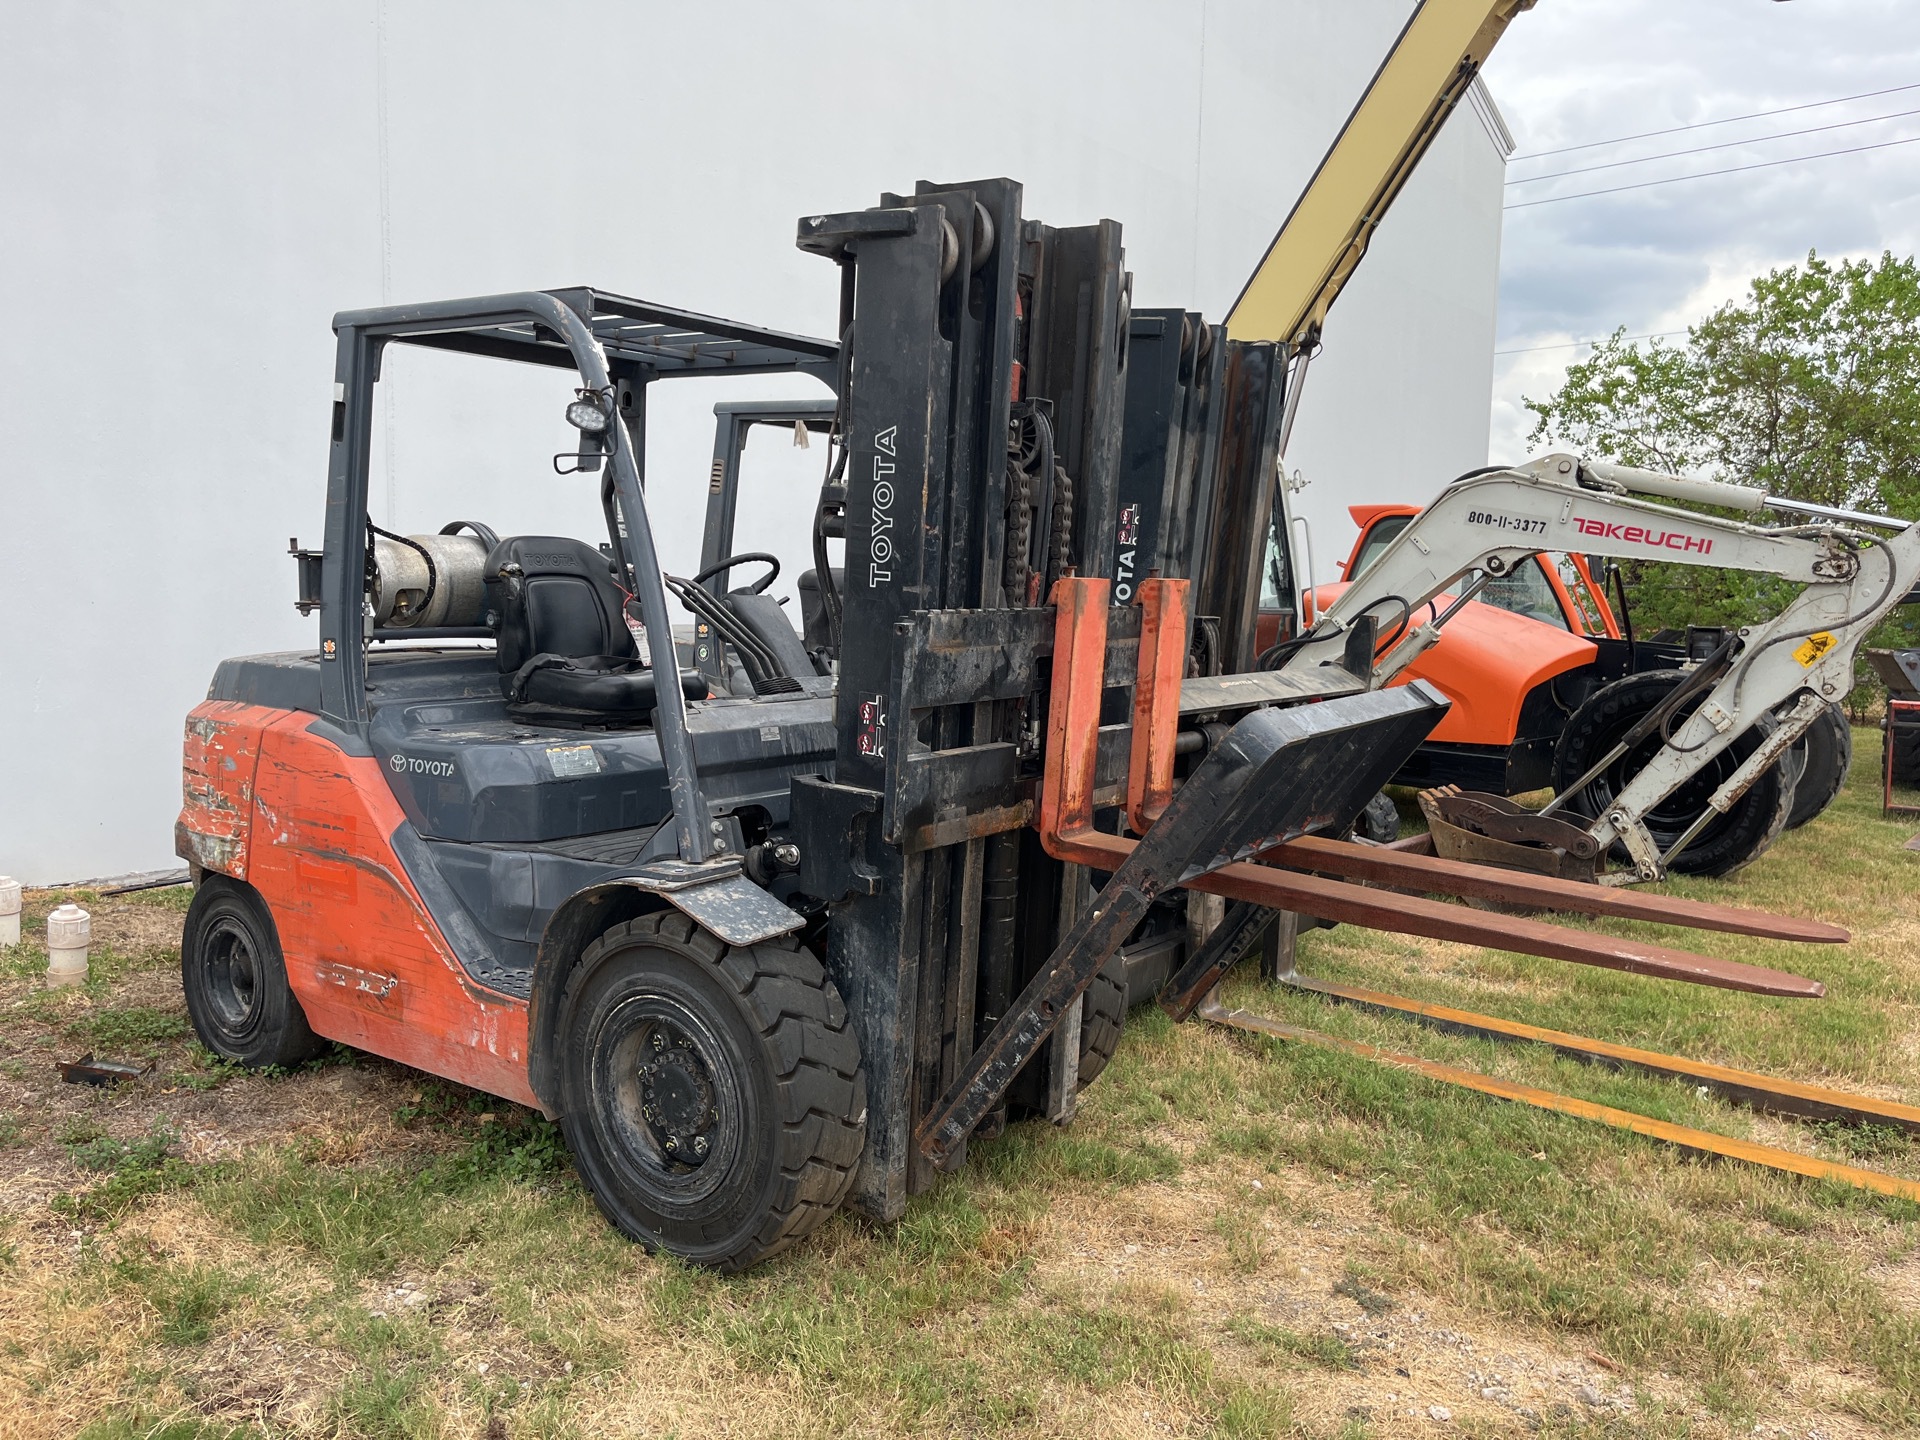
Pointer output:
x,y
1809,388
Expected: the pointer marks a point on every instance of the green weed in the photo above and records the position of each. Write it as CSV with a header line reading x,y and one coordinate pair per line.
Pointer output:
x,y
166,897
187,1299
1328,1351
133,1169
143,1028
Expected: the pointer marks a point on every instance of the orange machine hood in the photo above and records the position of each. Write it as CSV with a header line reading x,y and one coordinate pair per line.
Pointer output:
x,y
1486,661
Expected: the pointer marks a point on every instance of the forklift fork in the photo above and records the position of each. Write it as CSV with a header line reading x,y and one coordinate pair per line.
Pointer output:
x,y
1166,824
1271,794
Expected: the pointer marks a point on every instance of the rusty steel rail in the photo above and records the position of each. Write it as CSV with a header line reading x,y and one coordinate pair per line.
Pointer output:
x,y
1433,875
1702,1142
1759,1092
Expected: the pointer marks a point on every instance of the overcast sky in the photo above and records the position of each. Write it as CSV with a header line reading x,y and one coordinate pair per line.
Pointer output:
x,y
1574,71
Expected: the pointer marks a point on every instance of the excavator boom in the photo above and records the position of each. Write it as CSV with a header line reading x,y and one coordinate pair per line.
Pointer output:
x,y
1423,77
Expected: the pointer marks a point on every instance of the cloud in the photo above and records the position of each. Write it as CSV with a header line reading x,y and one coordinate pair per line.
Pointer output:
x,y
1656,258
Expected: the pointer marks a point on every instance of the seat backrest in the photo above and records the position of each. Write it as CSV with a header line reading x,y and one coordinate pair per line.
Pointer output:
x,y
813,609
554,595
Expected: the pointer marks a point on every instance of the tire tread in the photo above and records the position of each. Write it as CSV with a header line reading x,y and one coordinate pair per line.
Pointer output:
x,y
820,1094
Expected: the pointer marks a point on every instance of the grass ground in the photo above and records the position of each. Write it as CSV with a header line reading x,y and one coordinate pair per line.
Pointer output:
x,y
1235,1239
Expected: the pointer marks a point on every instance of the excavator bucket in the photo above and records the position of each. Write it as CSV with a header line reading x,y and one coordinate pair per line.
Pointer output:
x,y
1484,829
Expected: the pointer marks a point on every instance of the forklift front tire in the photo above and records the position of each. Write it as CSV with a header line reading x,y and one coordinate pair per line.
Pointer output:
x,y
236,979
1102,1022
713,1097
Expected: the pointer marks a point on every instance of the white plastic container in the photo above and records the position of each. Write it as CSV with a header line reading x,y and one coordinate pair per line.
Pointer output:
x,y
69,932
9,912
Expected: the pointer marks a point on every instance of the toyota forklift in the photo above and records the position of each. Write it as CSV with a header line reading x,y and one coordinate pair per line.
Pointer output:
x,y
774,918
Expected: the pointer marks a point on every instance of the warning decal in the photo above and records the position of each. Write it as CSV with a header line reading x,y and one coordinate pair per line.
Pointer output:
x,y
1817,645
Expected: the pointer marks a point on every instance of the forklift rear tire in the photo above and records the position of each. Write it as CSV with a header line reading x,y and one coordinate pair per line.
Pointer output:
x,y
713,1096
1826,754
1727,843
236,979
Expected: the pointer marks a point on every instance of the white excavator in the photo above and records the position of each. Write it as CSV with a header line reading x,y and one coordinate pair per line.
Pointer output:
x,y
1744,700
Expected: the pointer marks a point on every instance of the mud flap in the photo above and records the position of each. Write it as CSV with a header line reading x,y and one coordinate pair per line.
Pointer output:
x,y
727,903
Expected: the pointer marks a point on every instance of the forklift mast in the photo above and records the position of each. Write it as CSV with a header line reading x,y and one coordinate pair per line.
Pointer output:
x,y
1003,420
978,445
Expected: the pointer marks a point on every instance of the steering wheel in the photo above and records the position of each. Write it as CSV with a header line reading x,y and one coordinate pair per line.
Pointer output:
x,y
772,562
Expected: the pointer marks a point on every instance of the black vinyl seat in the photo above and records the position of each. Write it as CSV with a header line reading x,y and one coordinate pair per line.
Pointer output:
x,y
564,647
813,613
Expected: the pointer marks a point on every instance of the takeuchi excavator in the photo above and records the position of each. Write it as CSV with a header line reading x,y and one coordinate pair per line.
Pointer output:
x,y
1543,663
1676,766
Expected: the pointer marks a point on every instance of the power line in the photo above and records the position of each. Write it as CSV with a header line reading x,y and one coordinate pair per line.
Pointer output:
x,y
1722,145
1703,124
1705,174
1573,344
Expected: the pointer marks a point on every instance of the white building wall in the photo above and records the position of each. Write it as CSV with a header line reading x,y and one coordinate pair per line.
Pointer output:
x,y
193,190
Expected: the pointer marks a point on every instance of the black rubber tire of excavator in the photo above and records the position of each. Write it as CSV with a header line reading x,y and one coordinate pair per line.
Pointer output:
x,y
1754,822
1826,752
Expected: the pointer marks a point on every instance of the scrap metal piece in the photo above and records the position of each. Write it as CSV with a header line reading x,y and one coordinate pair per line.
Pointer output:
x,y
1436,875
1703,1142
89,1071
1230,943
1498,818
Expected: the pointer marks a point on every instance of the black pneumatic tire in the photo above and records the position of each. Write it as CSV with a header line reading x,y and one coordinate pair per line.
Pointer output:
x,y
1103,1019
713,1097
1826,753
1378,820
235,979
1728,842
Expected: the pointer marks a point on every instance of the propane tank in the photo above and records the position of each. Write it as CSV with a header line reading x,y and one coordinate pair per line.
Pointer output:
x,y
407,595
9,912
69,931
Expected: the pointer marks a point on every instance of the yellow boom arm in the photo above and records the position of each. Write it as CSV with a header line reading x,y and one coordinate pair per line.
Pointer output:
x,y
1416,87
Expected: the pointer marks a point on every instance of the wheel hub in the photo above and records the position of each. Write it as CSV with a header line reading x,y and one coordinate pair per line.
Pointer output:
x,y
676,1096
233,981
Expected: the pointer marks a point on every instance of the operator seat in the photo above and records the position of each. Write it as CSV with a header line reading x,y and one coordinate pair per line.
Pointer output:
x,y
813,614
565,651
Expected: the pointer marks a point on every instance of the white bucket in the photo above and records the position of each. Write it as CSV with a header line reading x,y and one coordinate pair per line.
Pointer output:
x,y
69,931
9,912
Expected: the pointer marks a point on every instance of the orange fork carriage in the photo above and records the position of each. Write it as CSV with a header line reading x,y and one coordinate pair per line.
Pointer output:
x,y
1277,879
